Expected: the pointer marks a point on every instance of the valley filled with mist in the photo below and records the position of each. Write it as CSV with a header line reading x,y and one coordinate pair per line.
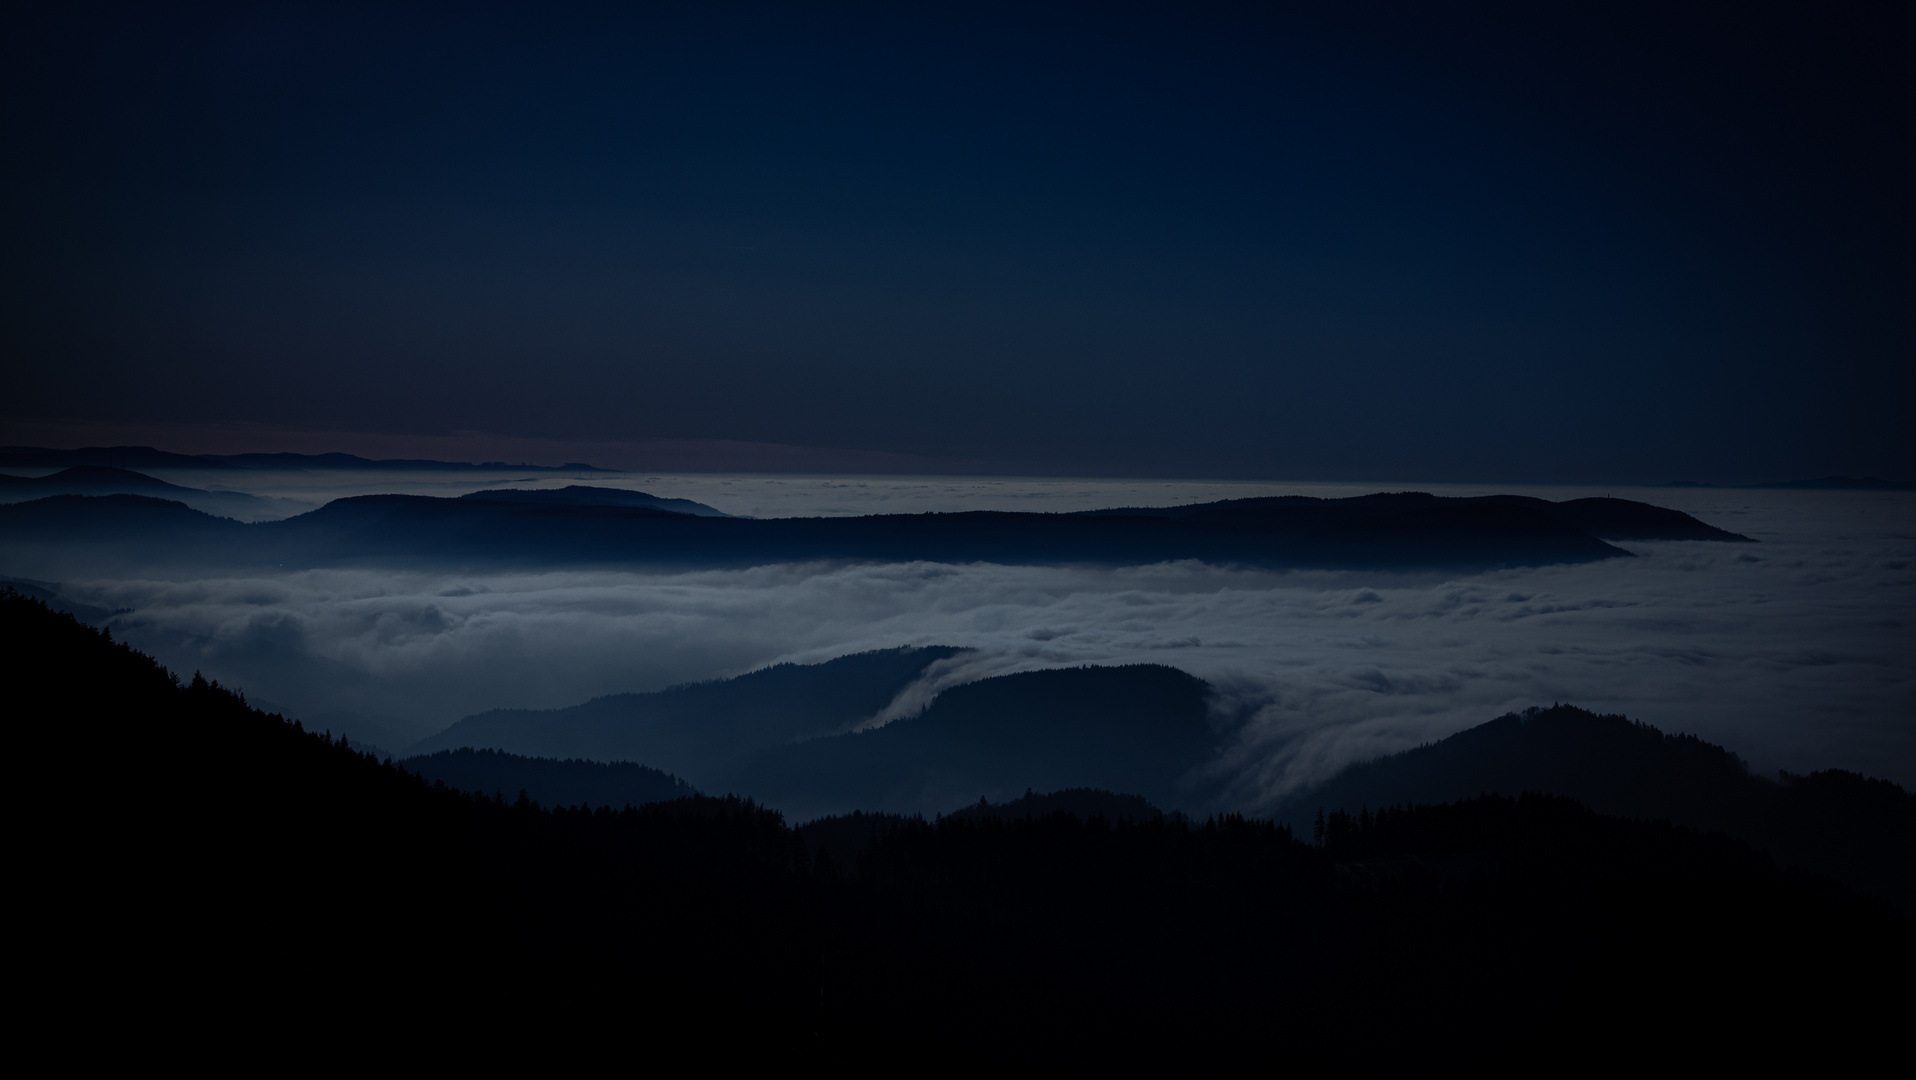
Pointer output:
x,y
1309,669
1357,539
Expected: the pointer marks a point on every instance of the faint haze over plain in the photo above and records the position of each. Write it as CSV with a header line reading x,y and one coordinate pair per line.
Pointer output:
x,y
1581,243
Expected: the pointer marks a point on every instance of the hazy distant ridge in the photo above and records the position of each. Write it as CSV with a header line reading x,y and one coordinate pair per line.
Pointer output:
x,y
697,729
109,480
1403,530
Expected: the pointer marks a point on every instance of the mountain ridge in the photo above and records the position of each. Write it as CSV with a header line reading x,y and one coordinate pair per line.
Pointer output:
x,y
692,728
95,480
1407,531
1134,728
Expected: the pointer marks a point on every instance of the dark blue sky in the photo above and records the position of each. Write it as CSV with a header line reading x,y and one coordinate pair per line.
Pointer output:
x,y
1345,240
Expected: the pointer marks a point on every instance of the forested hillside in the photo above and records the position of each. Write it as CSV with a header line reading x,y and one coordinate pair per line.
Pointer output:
x,y
174,836
550,781
1859,830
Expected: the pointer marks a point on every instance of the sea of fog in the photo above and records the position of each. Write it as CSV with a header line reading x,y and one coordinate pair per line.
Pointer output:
x,y
1798,652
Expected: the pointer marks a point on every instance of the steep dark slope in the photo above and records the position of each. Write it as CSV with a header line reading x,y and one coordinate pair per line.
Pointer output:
x,y
50,593
1086,803
840,838
549,781
177,838
1858,830
182,856
1138,728
696,730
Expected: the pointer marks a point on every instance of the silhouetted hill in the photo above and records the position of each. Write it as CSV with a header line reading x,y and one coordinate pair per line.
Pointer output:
x,y
199,858
1136,728
1605,518
1858,830
580,495
548,781
840,838
1086,803
105,480
146,457
68,534
1407,531
696,730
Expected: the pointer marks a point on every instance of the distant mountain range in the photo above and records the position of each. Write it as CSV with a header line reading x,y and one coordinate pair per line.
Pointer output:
x,y
580,495
146,457
785,734
1138,729
1823,483
1602,517
107,480
699,730
780,736
583,525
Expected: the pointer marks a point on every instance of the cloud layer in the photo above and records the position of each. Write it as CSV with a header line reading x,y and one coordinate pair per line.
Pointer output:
x,y
1799,652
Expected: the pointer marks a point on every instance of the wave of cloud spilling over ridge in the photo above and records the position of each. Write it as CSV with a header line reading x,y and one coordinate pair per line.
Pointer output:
x,y
1799,652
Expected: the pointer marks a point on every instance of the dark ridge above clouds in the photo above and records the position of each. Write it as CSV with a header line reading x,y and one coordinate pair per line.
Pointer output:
x,y
581,495
1139,728
1387,531
694,730
1602,517
109,480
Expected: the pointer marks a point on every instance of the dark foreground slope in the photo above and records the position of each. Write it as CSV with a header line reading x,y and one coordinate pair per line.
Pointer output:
x,y
1397,531
700,728
1857,829
177,838
549,781
201,878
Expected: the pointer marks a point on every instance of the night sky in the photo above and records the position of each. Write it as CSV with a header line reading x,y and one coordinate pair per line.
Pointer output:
x,y
1530,242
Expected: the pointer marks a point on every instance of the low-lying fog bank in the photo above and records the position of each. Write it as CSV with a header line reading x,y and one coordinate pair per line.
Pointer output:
x,y
1799,652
